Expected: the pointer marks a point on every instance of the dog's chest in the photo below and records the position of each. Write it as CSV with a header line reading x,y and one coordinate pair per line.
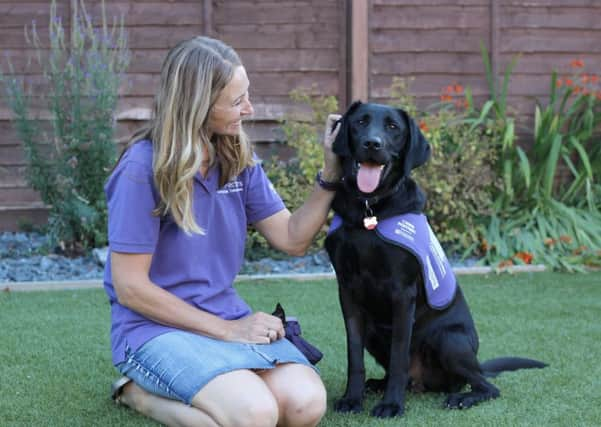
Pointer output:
x,y
367,265
390,257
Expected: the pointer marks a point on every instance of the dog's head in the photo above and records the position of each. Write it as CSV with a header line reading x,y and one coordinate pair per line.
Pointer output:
x,y
378,146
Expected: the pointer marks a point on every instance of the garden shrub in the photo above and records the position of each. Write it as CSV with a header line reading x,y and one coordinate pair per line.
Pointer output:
x,y
81,77
459,179
294,179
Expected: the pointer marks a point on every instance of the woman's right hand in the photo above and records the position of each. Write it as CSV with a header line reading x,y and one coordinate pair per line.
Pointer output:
x,y
257,328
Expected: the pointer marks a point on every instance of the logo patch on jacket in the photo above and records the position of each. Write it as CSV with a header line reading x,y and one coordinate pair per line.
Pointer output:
x,y
413,233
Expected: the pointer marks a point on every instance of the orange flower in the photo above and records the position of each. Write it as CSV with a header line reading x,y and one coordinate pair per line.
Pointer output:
x,y
594,78
549,241
461,103
446,98
484,245
577,63
448,89
423,126
565,239
526,257
584,78
579,250
559,82
458,88
577,90
505,263
569,81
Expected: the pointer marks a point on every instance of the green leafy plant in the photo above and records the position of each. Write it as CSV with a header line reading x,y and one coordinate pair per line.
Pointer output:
x,y
294,179
496,115
459,180
460,177
548,209
82,72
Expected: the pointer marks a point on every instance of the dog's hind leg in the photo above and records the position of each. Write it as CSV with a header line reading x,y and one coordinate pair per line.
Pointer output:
x,y
461,363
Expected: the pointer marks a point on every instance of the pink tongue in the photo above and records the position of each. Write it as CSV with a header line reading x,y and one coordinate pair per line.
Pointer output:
x,y
368,177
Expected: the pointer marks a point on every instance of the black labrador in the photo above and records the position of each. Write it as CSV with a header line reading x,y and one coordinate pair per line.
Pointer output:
x,y
422,345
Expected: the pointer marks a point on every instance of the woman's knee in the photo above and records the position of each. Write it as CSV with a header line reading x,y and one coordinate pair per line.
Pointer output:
x,y
257,411
300,393
306,406
238,398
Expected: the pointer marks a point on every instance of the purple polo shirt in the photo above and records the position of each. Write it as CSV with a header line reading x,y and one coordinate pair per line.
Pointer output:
x,y
200,269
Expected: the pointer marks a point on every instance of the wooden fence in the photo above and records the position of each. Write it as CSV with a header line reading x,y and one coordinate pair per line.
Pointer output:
x,y
350,49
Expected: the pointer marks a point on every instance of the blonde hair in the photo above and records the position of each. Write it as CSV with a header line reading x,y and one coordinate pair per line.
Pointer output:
x,y
192,77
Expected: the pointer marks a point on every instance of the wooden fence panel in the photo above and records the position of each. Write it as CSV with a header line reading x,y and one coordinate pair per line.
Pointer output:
x,y
286,45
546,35
434,42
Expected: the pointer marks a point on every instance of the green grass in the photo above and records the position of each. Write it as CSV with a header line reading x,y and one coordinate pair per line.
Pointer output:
x,y
55,365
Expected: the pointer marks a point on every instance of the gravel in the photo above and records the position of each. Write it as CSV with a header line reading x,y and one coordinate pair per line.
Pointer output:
x,y
26,257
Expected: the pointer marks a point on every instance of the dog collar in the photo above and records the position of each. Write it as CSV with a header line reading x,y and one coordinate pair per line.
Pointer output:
x,y
370,221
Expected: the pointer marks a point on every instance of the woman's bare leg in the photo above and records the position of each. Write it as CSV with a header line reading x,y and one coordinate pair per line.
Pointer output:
x,y
238,399
172,413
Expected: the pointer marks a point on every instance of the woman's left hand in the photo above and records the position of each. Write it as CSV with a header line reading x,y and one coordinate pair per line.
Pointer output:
x,y
331,170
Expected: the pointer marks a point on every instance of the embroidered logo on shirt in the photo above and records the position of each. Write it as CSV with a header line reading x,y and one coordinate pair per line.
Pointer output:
x,y
231,187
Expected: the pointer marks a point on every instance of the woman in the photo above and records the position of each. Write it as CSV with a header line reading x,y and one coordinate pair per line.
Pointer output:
x,y
180,198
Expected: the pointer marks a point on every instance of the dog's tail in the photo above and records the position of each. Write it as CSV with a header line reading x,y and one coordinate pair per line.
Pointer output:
x,y
493,367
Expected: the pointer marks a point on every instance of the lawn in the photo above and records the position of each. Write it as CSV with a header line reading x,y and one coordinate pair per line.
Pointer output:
x,y
56,368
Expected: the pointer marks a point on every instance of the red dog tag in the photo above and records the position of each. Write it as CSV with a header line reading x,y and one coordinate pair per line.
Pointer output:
x,y
370,222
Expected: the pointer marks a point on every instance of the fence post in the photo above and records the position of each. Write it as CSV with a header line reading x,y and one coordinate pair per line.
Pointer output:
x,y
494,39
359,50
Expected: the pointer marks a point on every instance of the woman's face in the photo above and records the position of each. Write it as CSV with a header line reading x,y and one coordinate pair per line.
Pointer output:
x,y
233,104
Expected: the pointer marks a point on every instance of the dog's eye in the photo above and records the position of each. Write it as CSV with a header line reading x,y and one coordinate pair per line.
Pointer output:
x,y
362,122
392,126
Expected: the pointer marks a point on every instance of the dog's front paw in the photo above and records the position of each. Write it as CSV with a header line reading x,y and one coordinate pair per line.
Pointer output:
x,y
347,404
387,410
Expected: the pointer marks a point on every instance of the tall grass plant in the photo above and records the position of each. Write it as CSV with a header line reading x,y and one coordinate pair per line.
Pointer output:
x,y
548,209
82,73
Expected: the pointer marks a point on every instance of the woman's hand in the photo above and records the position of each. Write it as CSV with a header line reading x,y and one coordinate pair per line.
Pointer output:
x,y
257,328
331,170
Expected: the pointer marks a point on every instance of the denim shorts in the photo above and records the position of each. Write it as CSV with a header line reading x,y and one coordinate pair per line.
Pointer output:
x,y
176,365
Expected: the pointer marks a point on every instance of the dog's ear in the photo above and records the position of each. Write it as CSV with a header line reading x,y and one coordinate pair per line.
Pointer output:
x,y
341,143
418,151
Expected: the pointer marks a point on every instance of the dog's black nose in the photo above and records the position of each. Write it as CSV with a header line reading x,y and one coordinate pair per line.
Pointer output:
x,y
372,144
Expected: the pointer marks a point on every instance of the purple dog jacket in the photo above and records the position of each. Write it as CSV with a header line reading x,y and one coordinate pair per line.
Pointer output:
x,y
413,233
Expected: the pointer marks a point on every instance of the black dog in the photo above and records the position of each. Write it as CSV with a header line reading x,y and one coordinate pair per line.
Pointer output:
x,y
416,325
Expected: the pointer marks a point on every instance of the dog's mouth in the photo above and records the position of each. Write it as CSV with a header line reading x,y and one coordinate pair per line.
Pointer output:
x,y
369,176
